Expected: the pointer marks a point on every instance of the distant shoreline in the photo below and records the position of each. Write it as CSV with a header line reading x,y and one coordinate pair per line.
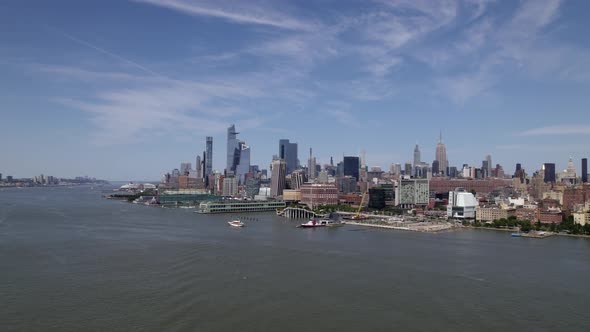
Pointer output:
x,y
516,229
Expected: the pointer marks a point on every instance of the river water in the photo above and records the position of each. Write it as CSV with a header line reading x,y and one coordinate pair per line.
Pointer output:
x,y
72,261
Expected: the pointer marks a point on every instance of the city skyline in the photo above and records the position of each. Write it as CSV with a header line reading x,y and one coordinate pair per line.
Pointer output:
x,y
84,96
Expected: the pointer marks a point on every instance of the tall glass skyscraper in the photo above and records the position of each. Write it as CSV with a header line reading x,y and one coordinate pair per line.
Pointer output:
x,y
288,152
352,166
233,150
584,170
209,156
243,166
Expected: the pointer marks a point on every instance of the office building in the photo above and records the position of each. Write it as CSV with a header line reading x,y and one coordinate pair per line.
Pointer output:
x,y
584,170
243,166
416,155
411,192
230,186
277,178
185,168
488,169
311,166
233,150
377,198
288,152
199,168
549,172
315,194
208,158
352,166
441,156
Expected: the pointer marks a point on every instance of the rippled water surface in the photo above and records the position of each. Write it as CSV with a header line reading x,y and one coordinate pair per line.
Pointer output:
x,y
71,261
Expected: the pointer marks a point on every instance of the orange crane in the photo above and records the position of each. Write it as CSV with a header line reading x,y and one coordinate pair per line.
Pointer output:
x,y
358,212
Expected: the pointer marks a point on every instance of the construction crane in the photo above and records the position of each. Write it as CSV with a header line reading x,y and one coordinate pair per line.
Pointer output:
x,y
358,212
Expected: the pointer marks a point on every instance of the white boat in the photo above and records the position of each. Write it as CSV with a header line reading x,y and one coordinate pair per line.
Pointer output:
x,y
236,223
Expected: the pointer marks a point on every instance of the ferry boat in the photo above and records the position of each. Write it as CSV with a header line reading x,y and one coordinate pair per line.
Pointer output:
x,y
236,223
321,223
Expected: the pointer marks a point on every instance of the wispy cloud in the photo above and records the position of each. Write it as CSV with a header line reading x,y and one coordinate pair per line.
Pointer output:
x,y
240,12
573,129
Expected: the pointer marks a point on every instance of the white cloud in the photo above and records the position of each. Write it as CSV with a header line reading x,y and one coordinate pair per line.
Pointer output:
x,y
573,129
244,12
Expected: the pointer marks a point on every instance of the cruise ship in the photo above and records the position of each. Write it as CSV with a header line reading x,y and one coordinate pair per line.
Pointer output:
x,y
229,206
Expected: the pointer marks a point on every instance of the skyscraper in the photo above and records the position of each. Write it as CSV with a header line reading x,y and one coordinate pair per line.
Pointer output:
x,y
441,156
185,168
233,150
208,159
352,166
311,166
416,155
549,171
243,166
584,170
277,178
288,152
488,171
199,167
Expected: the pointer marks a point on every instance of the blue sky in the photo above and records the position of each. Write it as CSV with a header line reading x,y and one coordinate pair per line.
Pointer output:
x,y
127,90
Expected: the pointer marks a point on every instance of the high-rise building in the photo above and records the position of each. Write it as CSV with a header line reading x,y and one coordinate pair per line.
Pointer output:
x,y
208,159
198,167
311,166
185,168
277,178
435,167
233,150
288,152
416,155
230,186
412,192
243,166
584,170
352,166
549,171
488,170
441,156
408,169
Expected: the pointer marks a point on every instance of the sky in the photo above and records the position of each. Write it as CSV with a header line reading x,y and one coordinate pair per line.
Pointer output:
x,y
127,90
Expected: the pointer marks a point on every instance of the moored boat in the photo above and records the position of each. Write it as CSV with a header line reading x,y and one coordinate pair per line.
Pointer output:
x,y
320,223
236,223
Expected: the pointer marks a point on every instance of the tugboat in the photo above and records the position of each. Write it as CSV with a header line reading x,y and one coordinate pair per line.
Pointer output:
x,y
236,223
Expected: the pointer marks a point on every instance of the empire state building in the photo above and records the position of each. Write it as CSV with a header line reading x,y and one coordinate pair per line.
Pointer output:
x,y
441,156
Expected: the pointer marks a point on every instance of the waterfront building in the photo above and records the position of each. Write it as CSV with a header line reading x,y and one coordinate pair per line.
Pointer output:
x,y
233,206
230,186
183,196
549,172
527,213
461,204
550,217
233,150
252,186
291,195
412,192
377,198
493,213
351,166
277,178
441,156
315,194
288,152
584,171
208,159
